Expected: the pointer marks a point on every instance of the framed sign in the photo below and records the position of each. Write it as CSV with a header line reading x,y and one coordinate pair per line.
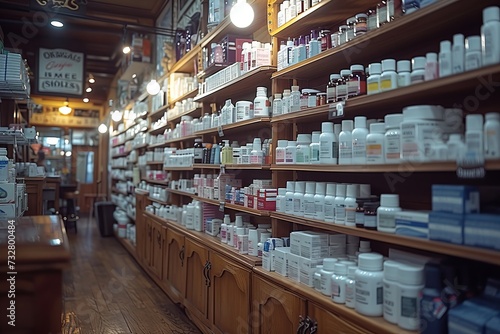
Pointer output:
x,y
60,72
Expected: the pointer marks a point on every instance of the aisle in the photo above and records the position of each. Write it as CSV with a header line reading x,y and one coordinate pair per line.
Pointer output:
x,y
105,291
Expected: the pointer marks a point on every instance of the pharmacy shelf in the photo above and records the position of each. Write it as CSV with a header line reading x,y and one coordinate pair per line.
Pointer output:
x,y
414,166
239,86
152,199
310,114
137,147
119,167
141,191
338,11
154,163
14,137
371,324
173,141
246,125
185,96
118,191
473,253
119,178
187,63
232,166
158,182
235,207
379,43
180,192
121,155
159,130
185,113
158,113
185,168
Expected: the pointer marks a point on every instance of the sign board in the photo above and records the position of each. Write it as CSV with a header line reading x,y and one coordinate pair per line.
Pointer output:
x,y
67,6
60,72
49,115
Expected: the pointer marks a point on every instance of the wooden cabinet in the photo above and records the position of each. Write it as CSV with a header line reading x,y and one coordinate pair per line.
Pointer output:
x,y
327,321
174,265
141,228
274,309
197,281
158,235
230,286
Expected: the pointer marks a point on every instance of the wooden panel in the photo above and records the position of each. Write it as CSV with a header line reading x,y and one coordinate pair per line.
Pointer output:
x,y
157,248
328,321
34,189
275,310
229,296
148,250
196,297
174,266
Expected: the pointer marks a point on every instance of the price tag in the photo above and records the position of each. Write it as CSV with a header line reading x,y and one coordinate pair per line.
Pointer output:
x,y
336,110
219,129
222,205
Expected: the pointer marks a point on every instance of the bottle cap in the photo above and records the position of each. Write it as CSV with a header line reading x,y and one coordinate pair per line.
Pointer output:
x,y
388,65
286,92
410,274
304,139
491,14
473,43
327,127
360,122
345,73
361,16
334,77
351,20
320,188
290,186
315,136
331,189
418,63
491,116
403,66
445,46
343,28
340,269
257,144
365,190
431,57
281,191
391,270
351,190
300,187
341,189
375,68
295,88
370,261
347,125
291,143
310,187
423,112
458,39
357,67
282,143
377,128
393,121
329,264
277,96
351,272
474,122
389,200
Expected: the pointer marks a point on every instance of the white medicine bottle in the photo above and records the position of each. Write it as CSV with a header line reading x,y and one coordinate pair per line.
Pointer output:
x,y
474,136
327,144
345,143
359,140
389,77
329,202
391,291
326,276
261,103
445,59
340,204
298,198
319,201
314,148
294,99
418,69
281,151
431,66
277,105
290,191
303,151
410,284
458,53
373,81
350,204
224,228
492,136
386,218
473,56
308,202
490,32
350,287
338,283
455,147
369,285
404,73
290,152
392,138
375,144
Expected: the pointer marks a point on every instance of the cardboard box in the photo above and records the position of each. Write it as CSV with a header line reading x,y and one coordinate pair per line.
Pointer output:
x,y
314,245
295,238
448,227
7,193
8,211
482,230
307,269
455,199
281,260
293,267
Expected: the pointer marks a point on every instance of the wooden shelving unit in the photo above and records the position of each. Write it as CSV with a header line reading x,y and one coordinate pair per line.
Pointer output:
x,y
248,125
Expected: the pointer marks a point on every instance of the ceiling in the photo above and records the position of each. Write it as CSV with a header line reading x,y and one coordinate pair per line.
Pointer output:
x,y
97,31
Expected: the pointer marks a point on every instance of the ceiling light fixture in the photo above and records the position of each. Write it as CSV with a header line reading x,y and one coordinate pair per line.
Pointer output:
x,y
126,49
65,109
116,115
241,14
86,100
88,90
91,79
102,128
57,23
153,87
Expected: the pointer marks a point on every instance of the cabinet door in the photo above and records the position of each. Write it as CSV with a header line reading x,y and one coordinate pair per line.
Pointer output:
x,y
196,297
141,231
148,242
229,296
329,322
157,255
274,309
174,265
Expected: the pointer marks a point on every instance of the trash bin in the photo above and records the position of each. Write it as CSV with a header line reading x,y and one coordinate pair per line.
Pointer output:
x,y
104,217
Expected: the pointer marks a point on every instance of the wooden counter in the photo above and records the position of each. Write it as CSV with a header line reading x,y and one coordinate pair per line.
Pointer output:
x,y
34,263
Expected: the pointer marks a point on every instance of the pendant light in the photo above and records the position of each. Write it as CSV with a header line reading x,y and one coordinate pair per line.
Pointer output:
x,y
65,109
103,128
153,87
241,14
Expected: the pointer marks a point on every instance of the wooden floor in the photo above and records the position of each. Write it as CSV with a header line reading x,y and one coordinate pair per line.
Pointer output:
x,y
105,291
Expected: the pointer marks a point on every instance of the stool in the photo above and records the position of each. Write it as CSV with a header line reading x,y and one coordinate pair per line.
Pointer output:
x,y
70,210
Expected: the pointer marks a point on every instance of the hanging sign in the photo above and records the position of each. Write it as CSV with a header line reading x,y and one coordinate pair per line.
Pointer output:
x,y
72,6
60,72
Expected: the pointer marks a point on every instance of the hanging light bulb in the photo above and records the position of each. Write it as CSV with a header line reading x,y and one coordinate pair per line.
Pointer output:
x,y
241,14
102,128
86,100
116,115
89,89
91,79
126,49
153,87
65,109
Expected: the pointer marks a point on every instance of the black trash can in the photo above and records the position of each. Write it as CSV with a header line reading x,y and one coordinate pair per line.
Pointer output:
x,y
104,217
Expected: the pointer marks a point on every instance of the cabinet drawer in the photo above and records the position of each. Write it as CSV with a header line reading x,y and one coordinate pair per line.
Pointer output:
x,y
329,322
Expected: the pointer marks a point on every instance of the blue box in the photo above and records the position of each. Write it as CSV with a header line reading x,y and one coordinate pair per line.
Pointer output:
x,y
413,224
455,199
448,227
493,326
482,230
470,317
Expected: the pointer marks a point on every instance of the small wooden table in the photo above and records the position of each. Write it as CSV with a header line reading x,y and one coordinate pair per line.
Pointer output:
x,y
36,268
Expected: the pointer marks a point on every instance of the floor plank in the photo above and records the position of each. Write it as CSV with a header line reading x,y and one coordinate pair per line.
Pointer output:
x,y
105,291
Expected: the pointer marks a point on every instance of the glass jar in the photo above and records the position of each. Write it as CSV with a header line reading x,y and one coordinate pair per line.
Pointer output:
x,y
372,19
361,25
350,29
381,13
370,218
342,34
320,99
326,42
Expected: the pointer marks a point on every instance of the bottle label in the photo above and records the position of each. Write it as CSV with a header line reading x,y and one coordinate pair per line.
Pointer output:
x,y
331,94
353,87
404,79
373,87
492,141
341,92
409,307
374,152
339,213
370,221
345,149
314,154
386,84
329,210
392,147
472,61
319,209
297,206
309,208
360,218
387,220
350,215
358,148
280,156
415,78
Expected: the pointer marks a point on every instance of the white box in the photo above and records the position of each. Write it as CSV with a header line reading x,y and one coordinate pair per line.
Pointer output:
x,y
295,242
337,238
281,260
7,192
8,211
314,245
307,269
266,260
293,262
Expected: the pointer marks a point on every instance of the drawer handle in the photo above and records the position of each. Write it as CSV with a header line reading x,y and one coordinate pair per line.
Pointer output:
x,y
181,256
